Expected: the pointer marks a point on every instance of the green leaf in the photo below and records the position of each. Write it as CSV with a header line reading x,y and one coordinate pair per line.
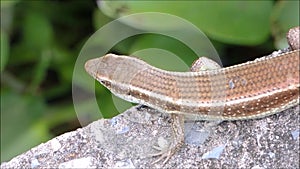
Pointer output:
x,y
18,113
30,137
38,31
40,71
285,15
235,22
7,9
5,4
163,52
4,49
99,19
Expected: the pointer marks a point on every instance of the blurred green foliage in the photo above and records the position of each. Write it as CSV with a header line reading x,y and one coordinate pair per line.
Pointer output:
x,y
40,42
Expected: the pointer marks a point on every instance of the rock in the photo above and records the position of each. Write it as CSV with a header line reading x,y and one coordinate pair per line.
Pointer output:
x,y
127,140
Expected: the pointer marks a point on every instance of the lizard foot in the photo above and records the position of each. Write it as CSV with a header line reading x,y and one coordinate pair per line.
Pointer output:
x,y
166,152
163,154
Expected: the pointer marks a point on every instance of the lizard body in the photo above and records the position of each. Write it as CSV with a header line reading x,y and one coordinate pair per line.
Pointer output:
x,y
250,90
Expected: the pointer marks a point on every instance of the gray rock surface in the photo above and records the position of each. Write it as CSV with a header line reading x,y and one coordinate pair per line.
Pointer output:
x,y
127,141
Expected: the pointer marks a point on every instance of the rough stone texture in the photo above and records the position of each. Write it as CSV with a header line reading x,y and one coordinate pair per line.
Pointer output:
x,y
127,140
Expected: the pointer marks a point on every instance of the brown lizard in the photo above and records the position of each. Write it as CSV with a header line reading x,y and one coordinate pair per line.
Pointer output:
x,y
249,90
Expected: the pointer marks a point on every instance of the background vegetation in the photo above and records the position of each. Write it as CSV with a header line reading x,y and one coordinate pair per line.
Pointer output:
x,y
40,41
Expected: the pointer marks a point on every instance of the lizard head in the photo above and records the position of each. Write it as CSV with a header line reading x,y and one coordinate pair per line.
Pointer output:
x,y
112,70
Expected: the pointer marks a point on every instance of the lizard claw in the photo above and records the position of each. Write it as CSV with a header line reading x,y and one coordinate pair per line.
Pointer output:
x,y
164,154
178,139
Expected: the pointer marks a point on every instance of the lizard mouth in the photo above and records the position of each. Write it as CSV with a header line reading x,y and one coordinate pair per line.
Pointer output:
x,y
105,83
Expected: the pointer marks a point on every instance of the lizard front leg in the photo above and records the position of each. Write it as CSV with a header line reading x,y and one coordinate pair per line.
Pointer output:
x,y
177,125
177,120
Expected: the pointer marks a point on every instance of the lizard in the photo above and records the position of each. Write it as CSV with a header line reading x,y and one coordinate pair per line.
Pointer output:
x,y
250,90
